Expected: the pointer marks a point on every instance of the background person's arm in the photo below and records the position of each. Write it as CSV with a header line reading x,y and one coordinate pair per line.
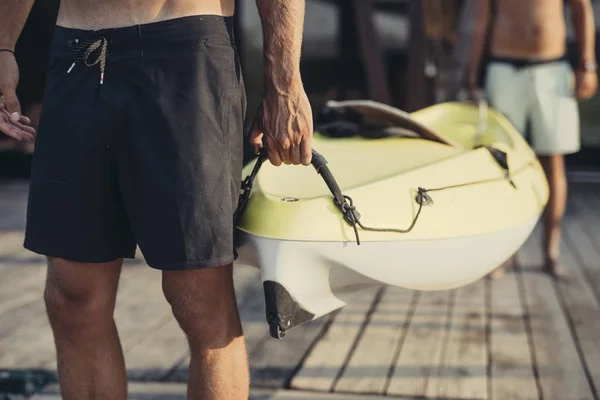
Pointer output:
x,y
585,30
284,121
13,14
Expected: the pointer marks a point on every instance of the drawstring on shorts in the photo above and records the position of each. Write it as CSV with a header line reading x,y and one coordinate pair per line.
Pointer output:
x,y
82,49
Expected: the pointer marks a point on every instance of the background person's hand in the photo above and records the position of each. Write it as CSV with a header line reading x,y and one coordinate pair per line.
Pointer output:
x,y
474,93
586,84
12,123
284,124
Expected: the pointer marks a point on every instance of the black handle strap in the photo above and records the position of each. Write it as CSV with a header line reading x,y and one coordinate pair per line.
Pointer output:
x,y
320,164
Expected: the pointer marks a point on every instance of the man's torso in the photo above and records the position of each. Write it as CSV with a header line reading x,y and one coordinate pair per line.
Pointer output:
x,y
531,29
94,14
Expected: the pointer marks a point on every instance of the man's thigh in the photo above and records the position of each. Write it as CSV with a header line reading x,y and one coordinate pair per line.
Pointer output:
x,y
506,91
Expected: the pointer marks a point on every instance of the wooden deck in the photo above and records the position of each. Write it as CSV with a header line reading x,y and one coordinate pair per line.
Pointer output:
x,y
522,336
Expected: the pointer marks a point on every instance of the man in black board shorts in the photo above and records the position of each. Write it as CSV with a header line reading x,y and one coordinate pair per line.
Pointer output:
x,y
140,142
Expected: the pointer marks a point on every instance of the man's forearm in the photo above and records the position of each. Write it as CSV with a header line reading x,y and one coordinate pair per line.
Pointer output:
x,y
583,20
13,14
283,24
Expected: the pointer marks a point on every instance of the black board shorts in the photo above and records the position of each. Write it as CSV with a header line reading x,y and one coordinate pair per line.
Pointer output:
x,y
143,149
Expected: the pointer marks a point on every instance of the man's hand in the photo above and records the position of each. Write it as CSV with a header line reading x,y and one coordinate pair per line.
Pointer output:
x,y
284,124
12,123
284,120
586,84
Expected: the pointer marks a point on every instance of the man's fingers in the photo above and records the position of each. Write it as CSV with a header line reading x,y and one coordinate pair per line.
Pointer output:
x,y
12,103
295,155
273,154
306,151
255,138
15,132
23,127
25,120
284,146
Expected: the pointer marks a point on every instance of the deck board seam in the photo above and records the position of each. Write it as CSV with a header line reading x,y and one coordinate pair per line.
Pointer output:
x,y
574,336
579,258
446,337
528,327
287,382
357,338
405,327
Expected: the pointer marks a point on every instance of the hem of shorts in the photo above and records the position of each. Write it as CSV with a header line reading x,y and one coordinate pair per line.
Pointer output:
x,y
193,264
70,256
565,152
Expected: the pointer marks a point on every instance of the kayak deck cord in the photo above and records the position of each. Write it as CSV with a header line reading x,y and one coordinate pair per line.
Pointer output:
x,y
346,204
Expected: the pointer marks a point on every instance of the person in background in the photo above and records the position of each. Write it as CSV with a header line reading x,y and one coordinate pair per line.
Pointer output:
x,y
530,81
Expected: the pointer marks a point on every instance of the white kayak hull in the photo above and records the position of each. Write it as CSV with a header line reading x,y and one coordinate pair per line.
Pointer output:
x,y
304,280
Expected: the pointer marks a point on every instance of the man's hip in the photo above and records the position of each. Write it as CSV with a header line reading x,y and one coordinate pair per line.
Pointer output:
x,y
538,98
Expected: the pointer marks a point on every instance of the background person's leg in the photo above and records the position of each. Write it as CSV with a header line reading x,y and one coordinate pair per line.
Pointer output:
x,y
555,133
80,300
554,167
203,301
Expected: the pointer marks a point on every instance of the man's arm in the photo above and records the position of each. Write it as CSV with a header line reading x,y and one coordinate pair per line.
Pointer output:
x,y
285,116
283,24
585,31
583,21
13,14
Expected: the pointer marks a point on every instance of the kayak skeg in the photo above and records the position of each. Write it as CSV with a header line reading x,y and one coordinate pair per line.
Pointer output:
x,y
431,200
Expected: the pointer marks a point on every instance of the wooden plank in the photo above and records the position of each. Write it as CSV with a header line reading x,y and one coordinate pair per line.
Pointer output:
x,y
463,370
329,355
560,371
371,51
512,374
582,230
587,202
178,391
23,279
11,239
581,305
369,367
31,334
274,363
421,352
417,93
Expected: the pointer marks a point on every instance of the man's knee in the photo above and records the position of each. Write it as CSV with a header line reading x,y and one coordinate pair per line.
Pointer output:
x,y
203,302
74,299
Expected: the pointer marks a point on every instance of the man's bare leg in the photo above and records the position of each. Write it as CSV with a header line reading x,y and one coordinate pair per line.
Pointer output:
x,y
203,301
80,300
501,270
554,167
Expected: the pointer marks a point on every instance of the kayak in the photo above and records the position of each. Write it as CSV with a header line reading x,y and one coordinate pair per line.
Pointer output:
x,y
430,200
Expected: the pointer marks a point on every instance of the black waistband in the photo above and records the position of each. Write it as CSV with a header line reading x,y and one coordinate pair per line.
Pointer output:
x,y
138,41
524,62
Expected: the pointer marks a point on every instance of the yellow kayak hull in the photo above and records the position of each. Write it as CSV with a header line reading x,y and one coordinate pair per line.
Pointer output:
x,y
382,176
474,216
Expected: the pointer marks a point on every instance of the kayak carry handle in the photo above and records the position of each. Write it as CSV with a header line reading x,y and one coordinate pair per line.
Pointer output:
x,y
320,164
